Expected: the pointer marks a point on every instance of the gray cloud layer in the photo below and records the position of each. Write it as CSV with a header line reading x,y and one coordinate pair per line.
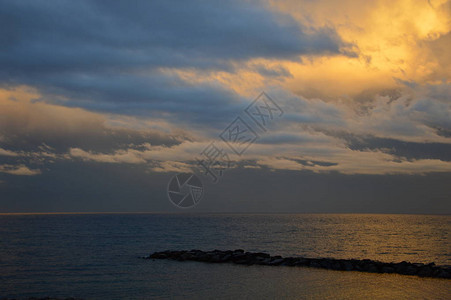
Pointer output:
x,y
122,62
95,35
108,56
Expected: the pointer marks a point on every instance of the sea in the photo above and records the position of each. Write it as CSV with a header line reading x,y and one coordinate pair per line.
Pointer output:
x,y
99,256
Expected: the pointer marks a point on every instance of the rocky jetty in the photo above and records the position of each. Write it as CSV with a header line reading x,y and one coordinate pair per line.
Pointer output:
x,y
241,257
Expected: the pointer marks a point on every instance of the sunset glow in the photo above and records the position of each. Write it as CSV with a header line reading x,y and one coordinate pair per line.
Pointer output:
x,y
365,88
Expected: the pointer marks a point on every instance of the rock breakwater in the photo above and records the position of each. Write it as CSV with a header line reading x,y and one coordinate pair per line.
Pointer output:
x,y
242,257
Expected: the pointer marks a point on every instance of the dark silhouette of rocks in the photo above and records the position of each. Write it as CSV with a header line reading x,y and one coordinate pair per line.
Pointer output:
x,y
241,257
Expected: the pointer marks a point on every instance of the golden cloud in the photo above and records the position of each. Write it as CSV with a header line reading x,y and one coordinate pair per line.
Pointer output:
x,y
394,39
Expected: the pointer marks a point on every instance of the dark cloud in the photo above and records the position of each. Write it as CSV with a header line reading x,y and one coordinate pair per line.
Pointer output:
x,y
313,162
149,96
443,132
278,71
365,99
26,126
107,56
287,138
400,149
99,139
73,36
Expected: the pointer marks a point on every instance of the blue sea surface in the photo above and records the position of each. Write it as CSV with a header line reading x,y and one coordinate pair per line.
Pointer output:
x,y
97,256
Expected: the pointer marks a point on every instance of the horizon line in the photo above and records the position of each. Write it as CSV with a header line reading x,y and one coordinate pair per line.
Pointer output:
x,y
204,213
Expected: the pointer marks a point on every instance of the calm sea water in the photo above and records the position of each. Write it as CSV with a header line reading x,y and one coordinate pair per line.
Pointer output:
x,y
95,256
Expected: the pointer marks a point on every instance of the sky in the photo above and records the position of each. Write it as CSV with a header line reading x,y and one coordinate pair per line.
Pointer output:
x,y
102,103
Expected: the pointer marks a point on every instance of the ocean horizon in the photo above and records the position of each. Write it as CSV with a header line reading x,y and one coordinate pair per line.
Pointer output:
x,y
98,255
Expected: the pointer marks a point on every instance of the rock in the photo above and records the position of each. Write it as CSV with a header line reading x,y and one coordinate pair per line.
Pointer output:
x,y
215,258
411,270
239,256
314,264
226,258
425,271
372,268
289,261
325,264
159,255
276,261
242,261
401,267
358,268
443,274
405,268
336,265
261,254
347,266
185,256
300,261
387,269
418,265
204,257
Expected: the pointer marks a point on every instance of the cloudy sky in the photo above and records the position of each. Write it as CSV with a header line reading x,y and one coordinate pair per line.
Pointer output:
x,y
101,103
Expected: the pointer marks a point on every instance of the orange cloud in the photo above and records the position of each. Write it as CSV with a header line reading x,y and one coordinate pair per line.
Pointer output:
x,y
393,39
